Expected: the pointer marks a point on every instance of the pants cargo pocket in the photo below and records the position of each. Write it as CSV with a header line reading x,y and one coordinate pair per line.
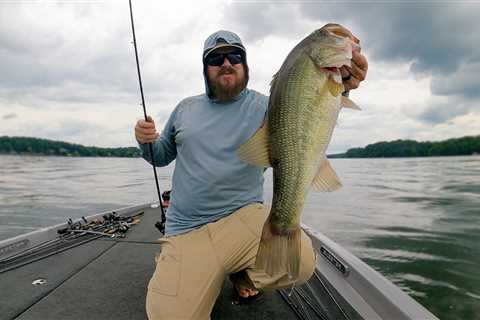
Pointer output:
x,y
166,278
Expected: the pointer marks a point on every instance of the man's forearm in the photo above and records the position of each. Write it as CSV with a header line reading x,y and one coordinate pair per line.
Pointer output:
x,y
162,154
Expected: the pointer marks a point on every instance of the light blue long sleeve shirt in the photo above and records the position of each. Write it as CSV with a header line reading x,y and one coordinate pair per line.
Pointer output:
x,y
209,180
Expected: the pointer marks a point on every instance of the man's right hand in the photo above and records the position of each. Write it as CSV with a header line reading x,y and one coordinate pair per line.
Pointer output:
x,y
145,131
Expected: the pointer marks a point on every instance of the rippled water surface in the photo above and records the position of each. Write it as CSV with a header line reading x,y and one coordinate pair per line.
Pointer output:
x,y
415,220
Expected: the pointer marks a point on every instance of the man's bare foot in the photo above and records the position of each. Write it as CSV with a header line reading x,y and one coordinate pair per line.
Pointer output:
x,y
244,291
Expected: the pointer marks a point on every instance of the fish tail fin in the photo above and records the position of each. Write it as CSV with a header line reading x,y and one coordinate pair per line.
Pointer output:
x,y
279,253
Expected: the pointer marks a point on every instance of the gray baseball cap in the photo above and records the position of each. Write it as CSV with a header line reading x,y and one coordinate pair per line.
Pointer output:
x,y
220,39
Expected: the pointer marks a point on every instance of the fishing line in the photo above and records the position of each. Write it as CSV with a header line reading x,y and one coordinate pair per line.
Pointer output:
x,y
150,145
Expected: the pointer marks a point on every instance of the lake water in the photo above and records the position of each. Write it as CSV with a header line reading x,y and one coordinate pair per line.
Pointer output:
x,y
415,220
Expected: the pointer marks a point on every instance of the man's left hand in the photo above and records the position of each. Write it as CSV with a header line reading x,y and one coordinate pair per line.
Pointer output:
x,y
352,76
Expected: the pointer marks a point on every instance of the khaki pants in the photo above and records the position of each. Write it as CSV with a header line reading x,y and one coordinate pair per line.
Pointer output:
x,y
192,266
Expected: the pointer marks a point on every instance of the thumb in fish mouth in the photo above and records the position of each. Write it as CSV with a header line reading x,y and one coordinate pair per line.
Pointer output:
x,y
345,73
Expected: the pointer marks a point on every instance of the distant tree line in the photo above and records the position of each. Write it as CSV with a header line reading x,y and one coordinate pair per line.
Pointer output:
x,y
36,146
398,148
410,148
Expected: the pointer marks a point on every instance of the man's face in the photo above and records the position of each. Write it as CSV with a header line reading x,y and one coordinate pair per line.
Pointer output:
x,y
228,79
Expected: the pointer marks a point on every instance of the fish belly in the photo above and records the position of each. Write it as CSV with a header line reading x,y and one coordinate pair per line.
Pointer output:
x,y
300,130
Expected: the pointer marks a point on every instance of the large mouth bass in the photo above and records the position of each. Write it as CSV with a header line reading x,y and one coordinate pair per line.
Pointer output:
x,y
305,99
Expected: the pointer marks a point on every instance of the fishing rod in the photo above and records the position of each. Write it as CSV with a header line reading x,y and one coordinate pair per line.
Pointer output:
x,y
150,145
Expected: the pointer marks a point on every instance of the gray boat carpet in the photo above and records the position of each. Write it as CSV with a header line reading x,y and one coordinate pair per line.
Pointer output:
x,y
107,279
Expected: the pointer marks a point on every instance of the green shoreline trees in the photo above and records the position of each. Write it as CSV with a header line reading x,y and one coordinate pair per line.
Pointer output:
x,y
409,148
36,146
399,148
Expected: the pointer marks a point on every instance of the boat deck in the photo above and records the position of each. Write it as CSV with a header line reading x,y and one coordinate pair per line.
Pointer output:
x,y
107,279
90,276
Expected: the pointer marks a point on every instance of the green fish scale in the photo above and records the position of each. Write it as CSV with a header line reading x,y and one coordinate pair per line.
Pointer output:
x,y
300,124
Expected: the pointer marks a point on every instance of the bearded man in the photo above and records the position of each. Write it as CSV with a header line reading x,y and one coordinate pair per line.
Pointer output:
x,y
216,212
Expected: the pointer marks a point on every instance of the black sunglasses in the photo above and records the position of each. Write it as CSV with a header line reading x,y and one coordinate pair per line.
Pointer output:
x,y
217,59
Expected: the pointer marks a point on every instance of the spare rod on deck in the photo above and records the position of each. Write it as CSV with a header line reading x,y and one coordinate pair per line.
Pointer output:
x,y
150,145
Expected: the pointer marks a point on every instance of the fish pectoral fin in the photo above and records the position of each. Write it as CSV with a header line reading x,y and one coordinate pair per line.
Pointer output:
x,y
256,150
326,180
331,85
347,103
334,87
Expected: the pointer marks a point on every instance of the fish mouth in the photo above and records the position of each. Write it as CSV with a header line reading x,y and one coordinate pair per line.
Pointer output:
x,y
331,69
333,73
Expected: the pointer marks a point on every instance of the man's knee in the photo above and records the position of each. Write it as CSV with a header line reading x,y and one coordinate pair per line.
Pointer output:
x,y
155,307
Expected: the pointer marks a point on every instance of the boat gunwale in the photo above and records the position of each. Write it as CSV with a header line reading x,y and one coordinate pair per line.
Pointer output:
x,y
369,292
31,239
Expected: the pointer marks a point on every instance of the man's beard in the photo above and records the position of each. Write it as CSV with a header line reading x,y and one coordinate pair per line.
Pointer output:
x,y
226,92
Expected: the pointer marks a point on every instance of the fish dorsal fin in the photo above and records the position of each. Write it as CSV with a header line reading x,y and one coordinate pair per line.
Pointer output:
x,y
347,103
274,78
256,150
326,179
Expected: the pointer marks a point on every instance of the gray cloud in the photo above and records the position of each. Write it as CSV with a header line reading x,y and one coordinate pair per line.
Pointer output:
x,y
438,40
437,113
81,56
69,130
256,20
73,128
435,37
440,109
9,116
105,75
51,61
464,81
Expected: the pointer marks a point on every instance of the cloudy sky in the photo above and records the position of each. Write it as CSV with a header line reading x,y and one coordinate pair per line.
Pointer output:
x,y
68,67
